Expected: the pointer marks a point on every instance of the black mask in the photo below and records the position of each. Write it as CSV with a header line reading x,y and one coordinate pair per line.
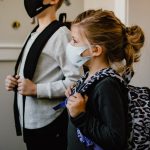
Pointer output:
x,y
34,7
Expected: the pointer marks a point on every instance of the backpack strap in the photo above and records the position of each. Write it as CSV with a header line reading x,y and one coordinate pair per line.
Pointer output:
x,y
63,20
37,47
63,17
100,75
20,55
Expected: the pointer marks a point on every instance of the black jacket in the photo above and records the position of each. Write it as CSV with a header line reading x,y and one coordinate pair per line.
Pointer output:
x,y
105,119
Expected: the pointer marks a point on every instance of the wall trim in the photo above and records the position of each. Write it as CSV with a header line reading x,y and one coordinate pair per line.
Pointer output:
x,y
9,52
10,46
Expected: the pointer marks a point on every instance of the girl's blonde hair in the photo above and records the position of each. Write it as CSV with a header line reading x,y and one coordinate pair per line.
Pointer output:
x,y
102,27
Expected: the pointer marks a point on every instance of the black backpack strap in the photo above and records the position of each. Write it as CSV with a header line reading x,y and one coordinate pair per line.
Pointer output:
x,y
21,53
63,17
15,105
37,47
63,20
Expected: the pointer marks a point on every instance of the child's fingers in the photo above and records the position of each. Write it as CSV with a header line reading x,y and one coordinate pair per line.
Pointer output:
x,y
80,97
68,91
85,98
17,76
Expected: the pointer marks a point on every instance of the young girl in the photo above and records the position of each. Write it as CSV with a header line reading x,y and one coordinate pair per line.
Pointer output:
x,y
98,106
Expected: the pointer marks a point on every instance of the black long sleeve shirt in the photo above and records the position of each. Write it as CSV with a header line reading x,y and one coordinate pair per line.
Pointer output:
x,y
105,119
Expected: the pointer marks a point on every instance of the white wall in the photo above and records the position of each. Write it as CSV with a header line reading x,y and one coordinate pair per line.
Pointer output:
x,y
11,40
11,11
118,6
97,4
76,7
8,139
139,14
120,10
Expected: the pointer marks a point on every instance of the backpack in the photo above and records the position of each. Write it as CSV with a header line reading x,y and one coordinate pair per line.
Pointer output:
x,y
139,118
138,112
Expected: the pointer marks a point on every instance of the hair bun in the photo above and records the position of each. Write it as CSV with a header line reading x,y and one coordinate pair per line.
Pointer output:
x,y
135,37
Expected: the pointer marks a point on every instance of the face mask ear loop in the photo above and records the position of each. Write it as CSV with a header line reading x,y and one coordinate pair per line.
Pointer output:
x,y
90,47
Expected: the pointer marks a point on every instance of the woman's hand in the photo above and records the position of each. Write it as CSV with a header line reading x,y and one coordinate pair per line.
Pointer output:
x,y
76,104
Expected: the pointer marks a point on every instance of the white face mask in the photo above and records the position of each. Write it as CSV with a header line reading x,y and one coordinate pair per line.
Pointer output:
x,y
74,54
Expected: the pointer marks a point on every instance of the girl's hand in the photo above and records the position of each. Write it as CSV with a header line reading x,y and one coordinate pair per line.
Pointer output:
x,y
11,82
76,104
68,91
26,87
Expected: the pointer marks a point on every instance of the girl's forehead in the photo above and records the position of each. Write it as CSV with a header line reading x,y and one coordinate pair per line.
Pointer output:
x,y
76,32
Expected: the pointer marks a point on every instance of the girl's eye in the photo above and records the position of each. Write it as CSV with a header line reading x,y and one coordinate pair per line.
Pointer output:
x,y
74,40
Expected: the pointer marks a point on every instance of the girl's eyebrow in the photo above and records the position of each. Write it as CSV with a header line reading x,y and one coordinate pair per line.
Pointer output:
x,y
73,37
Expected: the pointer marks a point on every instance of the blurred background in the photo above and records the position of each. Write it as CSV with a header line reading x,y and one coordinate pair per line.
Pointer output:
x,y
15,25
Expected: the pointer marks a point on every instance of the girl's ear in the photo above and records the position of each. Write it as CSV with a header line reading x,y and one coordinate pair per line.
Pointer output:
x,y
97,50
